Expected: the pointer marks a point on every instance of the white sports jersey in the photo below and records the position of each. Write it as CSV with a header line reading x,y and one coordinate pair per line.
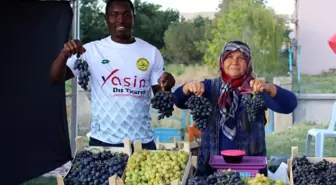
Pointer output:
x,y
122,76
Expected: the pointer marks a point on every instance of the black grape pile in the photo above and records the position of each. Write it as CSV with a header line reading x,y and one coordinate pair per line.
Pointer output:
x,y
89,168
200,109
307,173
218,178
84,73
164,103
253,106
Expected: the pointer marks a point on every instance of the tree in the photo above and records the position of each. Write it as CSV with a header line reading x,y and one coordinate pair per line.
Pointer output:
x,y
92,21
181,41
151,22
254,24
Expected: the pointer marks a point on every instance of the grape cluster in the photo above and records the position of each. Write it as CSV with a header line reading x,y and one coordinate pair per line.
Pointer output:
x,y
232,178
307,173
262,179
84,73
89,168
253,106
164,102
218,178
200,109
155,168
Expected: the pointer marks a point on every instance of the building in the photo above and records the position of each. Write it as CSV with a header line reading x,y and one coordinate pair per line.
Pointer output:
x,y
315,24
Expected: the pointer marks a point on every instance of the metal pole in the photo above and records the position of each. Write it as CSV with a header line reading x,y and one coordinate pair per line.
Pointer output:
x,y
299,67
290,60
74,123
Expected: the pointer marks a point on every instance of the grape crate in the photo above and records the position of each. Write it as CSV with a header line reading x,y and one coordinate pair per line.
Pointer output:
x,y
311,170
96,165
157,167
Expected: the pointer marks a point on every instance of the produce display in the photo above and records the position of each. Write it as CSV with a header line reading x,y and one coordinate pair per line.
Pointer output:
x,y
94,169
253,106
307,173
155,168
164,102
84,73
228,177
200,109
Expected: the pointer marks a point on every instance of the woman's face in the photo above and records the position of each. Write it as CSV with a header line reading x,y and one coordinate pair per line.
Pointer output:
x,y
235,65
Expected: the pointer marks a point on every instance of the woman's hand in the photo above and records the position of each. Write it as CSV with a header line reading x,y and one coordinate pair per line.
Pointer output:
x,y
196,88
260,86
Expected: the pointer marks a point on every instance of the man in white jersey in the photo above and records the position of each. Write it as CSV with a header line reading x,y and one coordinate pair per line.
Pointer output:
x,y
124,71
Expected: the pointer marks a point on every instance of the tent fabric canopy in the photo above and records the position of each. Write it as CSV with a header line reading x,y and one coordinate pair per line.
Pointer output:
x,y
33,112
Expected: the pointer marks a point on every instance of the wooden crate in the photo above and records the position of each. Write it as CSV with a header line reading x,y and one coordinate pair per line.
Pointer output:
x,y
175,145
294,154
80,147
185,146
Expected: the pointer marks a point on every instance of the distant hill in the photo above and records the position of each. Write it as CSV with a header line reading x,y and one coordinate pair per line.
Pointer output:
x,y
193,15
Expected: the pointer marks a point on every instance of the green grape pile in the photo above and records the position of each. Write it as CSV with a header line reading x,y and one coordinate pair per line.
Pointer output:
x,y
262,179
155,168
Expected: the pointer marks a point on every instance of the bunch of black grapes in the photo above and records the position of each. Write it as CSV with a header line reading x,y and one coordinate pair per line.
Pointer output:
x,y
218,178
253,106
164,102
307,173
89,168
200,109
84,73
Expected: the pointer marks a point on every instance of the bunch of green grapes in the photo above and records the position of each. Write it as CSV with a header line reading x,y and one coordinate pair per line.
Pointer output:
x,y
155,168
261,179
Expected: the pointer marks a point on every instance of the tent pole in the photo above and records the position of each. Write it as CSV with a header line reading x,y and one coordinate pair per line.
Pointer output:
x,y
74,97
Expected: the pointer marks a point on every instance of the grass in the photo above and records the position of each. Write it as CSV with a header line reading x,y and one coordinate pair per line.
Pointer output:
x,y
277,143
281,142
324,83
68,86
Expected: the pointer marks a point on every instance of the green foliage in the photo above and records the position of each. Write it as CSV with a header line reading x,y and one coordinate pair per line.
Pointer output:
x,y
254,24
92,21
181,41
150,22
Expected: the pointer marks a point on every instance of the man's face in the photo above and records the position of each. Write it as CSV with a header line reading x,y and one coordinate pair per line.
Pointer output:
x,y
120,19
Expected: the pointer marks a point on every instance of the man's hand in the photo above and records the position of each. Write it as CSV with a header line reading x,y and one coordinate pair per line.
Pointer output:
x,y
166,81
72,47
260,86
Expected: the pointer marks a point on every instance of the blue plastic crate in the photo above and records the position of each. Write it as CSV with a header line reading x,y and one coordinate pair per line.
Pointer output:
x,y
167,134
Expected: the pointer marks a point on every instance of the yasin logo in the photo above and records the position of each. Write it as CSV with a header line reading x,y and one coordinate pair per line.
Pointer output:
x,y
126,84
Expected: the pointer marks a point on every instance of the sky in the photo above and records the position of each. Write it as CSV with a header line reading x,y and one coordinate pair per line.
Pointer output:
x,y
189,6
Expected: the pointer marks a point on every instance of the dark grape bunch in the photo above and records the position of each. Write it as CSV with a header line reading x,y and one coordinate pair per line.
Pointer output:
x,y
307,173
253,106
218,178
200,109
164,102
84,73
95,169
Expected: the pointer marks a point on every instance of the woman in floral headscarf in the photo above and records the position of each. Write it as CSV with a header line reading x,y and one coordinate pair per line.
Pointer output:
x,y
231,126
